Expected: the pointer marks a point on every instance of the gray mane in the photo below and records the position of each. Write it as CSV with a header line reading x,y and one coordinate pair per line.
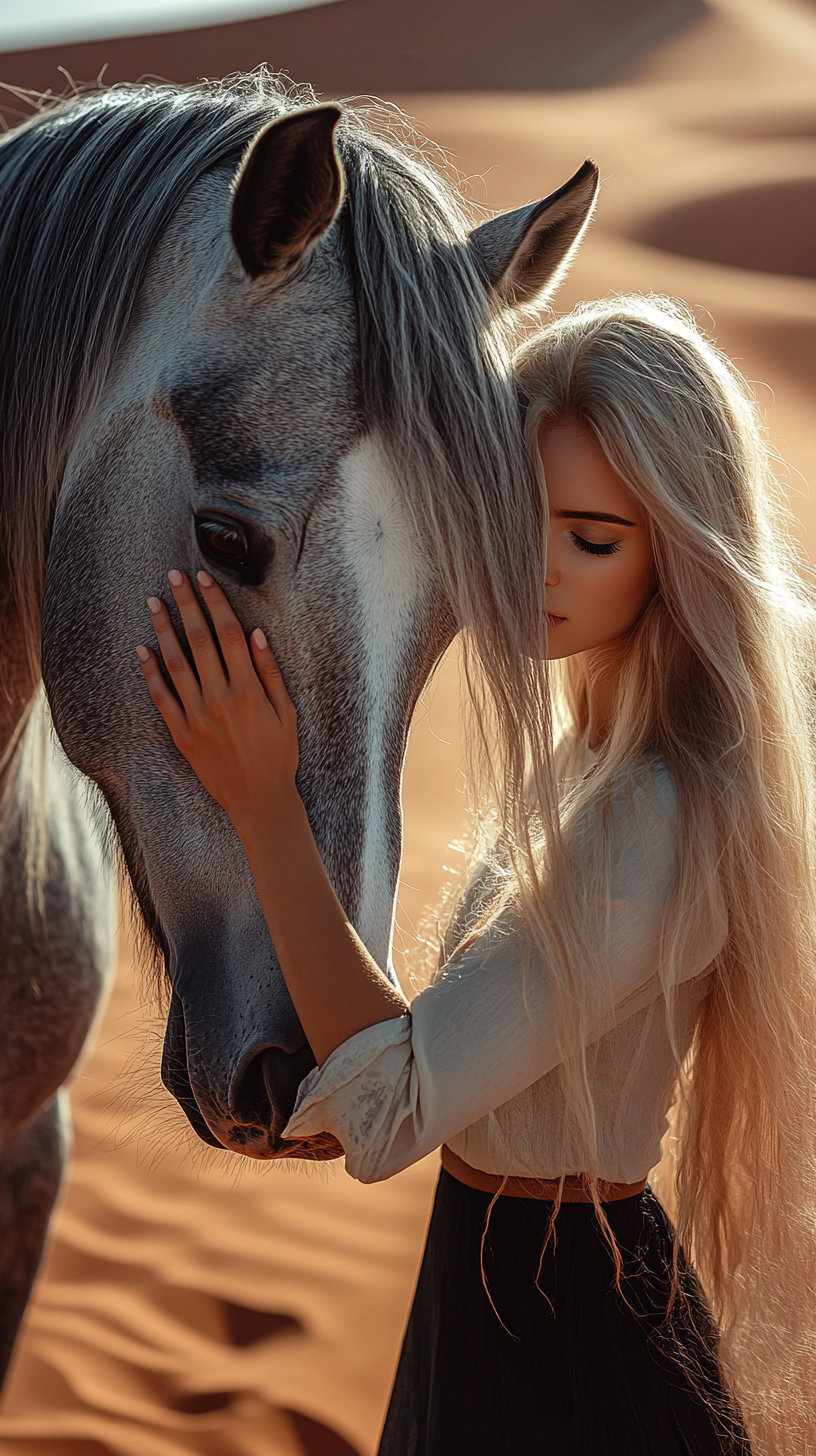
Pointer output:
x,y
87,189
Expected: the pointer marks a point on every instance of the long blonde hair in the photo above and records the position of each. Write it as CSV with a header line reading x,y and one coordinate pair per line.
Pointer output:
x,y
718,678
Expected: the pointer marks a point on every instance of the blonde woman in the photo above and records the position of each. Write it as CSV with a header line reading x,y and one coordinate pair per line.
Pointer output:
x,y
642,939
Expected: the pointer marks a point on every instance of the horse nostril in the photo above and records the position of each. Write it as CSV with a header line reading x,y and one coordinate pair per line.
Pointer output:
x,y
250,1102
268,1087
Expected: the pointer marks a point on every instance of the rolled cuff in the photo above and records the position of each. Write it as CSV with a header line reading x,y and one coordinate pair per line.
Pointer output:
x,y
361,1094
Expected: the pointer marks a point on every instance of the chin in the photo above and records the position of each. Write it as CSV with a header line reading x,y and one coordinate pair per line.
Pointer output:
x,y
322,1148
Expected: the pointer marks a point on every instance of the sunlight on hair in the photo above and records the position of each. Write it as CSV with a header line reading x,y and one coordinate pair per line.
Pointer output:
x,y
718,681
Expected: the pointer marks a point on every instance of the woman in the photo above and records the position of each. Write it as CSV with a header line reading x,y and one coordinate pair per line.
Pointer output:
x,y
642,936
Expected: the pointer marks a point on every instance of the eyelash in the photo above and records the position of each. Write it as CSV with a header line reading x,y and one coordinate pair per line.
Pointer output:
x,y
592,549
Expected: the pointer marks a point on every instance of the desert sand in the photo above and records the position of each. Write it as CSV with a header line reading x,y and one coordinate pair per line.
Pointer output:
x,y
196,1305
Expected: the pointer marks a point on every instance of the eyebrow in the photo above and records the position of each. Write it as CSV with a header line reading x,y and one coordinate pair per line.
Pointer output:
x,y
593,516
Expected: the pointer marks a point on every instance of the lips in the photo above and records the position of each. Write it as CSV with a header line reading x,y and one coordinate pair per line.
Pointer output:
x,y
554,621
253,1142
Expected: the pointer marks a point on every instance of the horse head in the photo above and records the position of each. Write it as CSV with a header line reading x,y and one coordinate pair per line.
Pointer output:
x,y
306,370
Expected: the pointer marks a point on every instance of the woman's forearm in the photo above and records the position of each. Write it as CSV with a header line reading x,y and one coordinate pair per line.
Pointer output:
x,y
336,986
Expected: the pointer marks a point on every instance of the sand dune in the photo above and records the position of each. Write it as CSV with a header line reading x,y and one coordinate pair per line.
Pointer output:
x,y
364,46
190,1305
187,1307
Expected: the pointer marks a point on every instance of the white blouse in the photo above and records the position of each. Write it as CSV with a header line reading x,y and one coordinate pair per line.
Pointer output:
x,y
475,1063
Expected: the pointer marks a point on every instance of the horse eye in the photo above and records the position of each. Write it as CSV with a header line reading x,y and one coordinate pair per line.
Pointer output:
x,y
225,544
235,546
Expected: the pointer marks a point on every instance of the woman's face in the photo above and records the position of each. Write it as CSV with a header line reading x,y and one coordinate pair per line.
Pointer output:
x,y
600,566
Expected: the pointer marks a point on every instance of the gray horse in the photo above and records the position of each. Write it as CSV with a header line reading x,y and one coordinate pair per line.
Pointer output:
x,y
246,331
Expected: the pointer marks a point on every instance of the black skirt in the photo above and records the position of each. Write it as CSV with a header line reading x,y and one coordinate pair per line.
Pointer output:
x,y
570,1362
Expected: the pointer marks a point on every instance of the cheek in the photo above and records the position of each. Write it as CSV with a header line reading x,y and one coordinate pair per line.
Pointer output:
x,y
645,579
610,599
633,587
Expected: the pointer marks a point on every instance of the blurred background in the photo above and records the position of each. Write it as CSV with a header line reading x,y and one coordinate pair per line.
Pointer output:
x,y
197,1306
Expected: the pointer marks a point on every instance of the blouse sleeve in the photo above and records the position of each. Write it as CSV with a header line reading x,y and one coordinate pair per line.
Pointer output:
x,y
484,1031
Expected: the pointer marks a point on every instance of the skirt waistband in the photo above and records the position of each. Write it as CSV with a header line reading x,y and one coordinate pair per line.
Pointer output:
x,y
574,1188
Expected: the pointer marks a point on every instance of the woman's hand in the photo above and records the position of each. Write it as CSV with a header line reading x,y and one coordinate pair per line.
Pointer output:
x,y
237,729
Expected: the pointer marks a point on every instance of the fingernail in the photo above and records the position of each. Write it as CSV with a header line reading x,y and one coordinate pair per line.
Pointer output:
x,y
204,578
175,578
154,605
142,654
259,639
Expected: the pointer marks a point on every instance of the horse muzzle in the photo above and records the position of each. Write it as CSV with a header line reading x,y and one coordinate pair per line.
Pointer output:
x,y
255,1102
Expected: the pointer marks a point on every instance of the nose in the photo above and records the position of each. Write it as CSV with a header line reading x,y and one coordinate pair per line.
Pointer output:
x,y
258,1097
263,1091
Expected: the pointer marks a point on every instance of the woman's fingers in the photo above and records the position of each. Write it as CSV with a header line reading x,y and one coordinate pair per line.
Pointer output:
x,y
270,675
205,654
182,675
171,711
229,631
244,669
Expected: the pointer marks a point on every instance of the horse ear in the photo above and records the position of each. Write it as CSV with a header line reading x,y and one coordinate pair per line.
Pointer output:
x,y
287,190
522,253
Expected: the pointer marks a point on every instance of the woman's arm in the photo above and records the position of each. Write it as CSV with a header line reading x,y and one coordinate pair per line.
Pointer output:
x,y
238,731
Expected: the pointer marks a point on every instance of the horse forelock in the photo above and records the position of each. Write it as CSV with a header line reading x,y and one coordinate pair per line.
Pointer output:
x,y
437,381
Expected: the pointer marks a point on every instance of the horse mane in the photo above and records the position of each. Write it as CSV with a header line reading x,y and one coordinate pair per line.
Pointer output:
x,y
87,188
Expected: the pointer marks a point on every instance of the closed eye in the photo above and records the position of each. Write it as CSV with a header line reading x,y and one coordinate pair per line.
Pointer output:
x,y
592,548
